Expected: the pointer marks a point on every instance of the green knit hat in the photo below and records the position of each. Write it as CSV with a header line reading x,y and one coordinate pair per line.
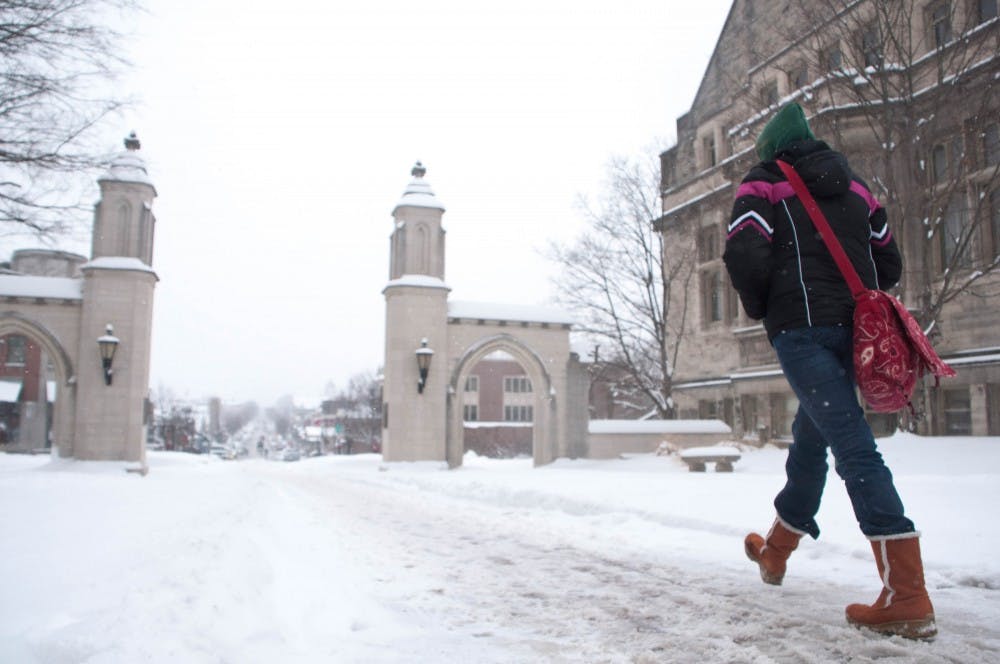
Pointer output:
x,y
788,124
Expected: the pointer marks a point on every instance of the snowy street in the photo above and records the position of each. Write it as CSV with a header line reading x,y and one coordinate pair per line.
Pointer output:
x,y
348,559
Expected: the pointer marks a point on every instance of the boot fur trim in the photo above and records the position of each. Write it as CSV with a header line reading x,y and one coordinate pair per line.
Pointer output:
x,y
898,536
787,526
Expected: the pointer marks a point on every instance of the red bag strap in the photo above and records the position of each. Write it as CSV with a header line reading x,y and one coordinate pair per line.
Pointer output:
x,y
825,232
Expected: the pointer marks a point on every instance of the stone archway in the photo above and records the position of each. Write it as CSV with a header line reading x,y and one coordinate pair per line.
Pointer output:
x,y
12,322
543,429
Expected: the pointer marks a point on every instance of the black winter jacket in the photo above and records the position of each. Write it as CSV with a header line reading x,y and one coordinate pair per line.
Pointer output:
x,y
776,259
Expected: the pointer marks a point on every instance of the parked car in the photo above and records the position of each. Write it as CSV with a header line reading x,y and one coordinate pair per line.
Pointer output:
x,y
222,451
290,454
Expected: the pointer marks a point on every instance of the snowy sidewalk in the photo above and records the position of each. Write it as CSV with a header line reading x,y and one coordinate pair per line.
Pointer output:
x,y
347,559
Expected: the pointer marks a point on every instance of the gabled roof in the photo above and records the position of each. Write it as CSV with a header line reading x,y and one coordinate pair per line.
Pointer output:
x,y
713,62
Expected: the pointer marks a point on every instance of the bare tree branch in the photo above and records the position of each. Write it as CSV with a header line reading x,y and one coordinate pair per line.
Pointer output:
x,y
631,294
57,61
927,97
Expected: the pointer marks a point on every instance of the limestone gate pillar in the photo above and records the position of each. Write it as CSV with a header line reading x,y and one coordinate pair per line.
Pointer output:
x,y
416,301
117,290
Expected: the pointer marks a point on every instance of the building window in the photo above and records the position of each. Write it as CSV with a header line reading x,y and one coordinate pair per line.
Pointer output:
x,y
957,412
708,409
516,384
472,384
994,213
991,144
708,147
939,164
946,160
470,412
769,94
987,10
17,349
940,16
708,244
713,297
871,47
518,414
783,409
799,77
953,226
833,58
732,303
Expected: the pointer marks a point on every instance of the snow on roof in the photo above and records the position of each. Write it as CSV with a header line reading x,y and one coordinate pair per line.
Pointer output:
x,y
692,201
419,200
418,193
57,288
483,424
710,450
509,312
658,426
713,382
975,359
417,280
128,166
765,373
117,263
10,390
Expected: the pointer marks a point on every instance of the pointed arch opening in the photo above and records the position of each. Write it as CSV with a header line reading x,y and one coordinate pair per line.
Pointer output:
x,y
36,387
525,404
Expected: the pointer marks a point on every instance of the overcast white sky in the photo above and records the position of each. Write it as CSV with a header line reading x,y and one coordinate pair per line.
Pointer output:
x,y
281,134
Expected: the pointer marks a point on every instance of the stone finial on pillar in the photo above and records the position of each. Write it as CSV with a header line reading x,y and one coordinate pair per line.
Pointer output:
x,y
132,142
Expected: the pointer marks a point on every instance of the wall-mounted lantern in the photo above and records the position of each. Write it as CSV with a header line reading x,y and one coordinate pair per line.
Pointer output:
x,y
108,343
424,355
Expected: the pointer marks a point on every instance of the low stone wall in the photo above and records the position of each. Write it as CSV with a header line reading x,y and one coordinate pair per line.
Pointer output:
x,y
607,439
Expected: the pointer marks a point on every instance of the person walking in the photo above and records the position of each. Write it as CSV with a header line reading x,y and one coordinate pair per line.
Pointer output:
x,y
784,275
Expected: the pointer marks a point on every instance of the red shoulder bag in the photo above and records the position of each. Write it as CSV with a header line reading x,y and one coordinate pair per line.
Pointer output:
x,y
891,352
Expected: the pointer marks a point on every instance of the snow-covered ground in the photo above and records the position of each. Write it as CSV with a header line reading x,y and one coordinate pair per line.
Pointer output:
x,y
349,559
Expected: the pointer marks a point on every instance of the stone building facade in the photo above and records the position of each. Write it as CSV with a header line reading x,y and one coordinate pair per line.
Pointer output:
x,y
908,90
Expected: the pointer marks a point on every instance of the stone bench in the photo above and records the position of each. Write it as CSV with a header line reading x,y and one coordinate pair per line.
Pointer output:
x,y
722,457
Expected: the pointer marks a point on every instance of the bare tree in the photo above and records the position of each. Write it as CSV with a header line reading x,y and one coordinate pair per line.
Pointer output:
x,y
631,294
57,58
359,407
926,92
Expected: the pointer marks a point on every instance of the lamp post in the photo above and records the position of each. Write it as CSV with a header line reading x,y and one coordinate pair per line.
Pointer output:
x,y
424,355
108,344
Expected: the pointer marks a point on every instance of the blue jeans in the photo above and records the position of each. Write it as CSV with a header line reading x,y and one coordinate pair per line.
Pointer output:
x,y
818,364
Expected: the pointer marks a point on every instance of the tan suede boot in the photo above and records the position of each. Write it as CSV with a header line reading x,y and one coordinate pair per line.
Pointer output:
x,y
770,553
903,607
